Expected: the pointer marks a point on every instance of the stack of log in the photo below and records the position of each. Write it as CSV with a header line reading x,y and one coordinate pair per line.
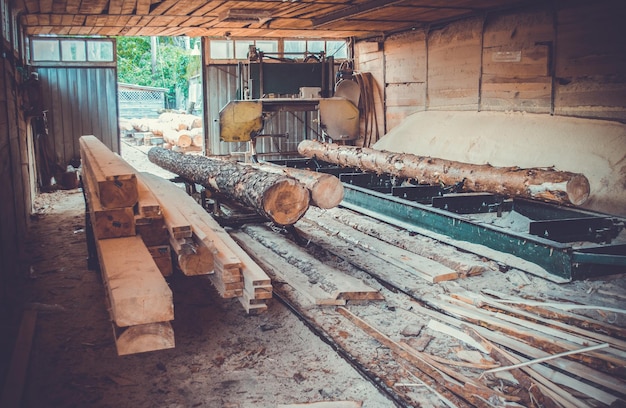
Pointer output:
x,y
138,221
180,131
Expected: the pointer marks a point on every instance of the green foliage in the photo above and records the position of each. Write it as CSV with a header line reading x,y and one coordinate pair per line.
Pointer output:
x,y
172,69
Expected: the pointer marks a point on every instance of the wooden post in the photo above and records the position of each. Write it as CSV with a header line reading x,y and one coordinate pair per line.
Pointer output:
x,y
545,184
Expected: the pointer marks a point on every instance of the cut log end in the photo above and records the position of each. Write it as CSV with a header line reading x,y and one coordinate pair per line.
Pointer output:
x,y
144,338
578,189
286,201
328,192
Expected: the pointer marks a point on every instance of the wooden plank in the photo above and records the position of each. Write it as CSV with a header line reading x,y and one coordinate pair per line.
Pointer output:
x,y
162,256
144,337
116,183
147,203
544,310
136,289
193,256
178,226
281,270
16,373
601,361
422,267
334,281
107,222
152,230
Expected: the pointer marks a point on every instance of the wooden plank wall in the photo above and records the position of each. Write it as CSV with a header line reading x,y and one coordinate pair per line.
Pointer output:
x,y
566,59
405,94
516,62
80,101
15,198
591,60
370,57
454,66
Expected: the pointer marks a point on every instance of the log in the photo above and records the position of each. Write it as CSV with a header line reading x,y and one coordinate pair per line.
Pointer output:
x,y
326,189
180,138
279,198
545,184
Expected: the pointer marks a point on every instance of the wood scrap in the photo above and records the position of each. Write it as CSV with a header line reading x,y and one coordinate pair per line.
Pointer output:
x,y
544,392
544,310
469,390
420,245
283,270
538,337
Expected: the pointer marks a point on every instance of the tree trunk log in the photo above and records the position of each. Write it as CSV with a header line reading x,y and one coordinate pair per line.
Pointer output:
x,y
544,184
326,189
281,199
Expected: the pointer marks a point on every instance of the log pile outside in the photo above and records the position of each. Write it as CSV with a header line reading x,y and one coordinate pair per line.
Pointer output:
x,y
138,221
178,131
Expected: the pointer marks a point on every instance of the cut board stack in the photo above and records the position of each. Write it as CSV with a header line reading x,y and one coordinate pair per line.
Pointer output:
x,y
233,273
139,299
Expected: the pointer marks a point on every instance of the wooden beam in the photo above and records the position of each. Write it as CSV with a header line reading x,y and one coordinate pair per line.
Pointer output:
x,y
16,374
136,289
115,183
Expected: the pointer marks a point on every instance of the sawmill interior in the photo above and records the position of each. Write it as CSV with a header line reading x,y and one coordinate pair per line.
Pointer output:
x,y
406,203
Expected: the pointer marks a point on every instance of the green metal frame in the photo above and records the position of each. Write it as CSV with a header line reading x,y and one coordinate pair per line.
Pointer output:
x,y
558,259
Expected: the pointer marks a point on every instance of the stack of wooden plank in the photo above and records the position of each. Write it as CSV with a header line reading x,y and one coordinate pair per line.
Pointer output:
x,y
233,273
139,299
139,221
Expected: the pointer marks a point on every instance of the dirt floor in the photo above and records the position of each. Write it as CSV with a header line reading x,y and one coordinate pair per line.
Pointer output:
x,y
225,358
222,358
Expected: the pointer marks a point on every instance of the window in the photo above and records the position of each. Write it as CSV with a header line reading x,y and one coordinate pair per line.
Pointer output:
x,y
229,49
296,49
74,50
336,49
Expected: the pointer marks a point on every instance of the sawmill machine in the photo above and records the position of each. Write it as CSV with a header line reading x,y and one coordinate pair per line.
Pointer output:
x,y
282,85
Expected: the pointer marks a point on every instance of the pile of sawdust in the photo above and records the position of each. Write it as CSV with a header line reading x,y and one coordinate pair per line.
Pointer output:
x,y
595,148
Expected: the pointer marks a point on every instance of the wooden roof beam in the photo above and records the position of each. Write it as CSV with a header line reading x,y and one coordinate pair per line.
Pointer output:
x,y
352,11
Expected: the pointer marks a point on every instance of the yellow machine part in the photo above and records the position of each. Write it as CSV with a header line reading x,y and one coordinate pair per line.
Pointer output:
x,y
339,118
241,120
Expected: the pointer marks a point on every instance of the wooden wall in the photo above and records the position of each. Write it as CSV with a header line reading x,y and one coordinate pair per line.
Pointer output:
x,y
15,196
564,58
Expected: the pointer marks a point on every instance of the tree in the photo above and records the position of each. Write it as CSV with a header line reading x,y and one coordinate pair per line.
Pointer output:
x,y
134,62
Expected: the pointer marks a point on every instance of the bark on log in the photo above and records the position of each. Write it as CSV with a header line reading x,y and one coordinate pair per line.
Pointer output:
x,y
538,183
326,189
281,199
